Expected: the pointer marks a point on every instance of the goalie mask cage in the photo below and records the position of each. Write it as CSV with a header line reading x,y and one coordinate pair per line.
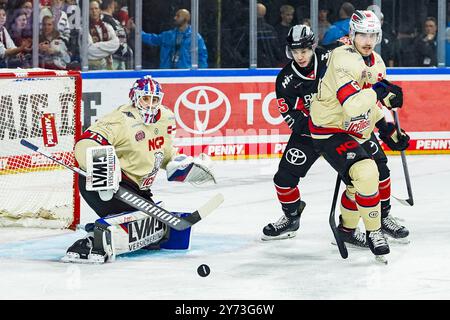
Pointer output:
x,y
42,106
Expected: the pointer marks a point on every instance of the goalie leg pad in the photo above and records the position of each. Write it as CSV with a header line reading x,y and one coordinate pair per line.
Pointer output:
x,y
178,240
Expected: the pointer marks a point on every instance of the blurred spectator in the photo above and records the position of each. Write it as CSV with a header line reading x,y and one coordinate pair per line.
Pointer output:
x,y
324,24
8,49
426,44
73,12
122,58
405,55
269,53
27,7
22,38
176,44
340,28
53,53
387,40
282,28
306,22
103,41
60,18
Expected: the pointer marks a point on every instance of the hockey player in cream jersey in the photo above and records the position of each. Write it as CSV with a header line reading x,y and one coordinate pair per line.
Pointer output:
x,y
139,139
343,117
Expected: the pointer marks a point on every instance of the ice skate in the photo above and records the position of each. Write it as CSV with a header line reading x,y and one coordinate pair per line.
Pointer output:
x,y
285,227
378,245
394,230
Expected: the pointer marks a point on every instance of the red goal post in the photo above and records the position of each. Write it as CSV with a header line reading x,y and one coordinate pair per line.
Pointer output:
x,y
44,107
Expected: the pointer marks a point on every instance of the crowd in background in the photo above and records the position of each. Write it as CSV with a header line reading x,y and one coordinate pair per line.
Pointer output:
x,y
409,32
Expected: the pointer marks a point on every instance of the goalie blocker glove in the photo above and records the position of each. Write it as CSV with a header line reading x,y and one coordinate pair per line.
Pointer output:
x,y
389,94
389,135
188,169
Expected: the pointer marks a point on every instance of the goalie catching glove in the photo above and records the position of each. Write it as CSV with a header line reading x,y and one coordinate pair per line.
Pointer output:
x,y
185,168
389,94
103,172
389,135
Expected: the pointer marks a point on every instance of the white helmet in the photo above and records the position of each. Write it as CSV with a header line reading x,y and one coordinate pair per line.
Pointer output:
x,y
365,22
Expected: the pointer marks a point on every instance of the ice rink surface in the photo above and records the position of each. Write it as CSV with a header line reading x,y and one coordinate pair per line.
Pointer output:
x,y
242,266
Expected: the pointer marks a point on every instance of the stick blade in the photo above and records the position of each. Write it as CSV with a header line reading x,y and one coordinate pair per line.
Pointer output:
x,y
405,202
211,205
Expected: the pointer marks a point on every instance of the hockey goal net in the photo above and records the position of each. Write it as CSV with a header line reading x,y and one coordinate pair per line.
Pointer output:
x,y
43,107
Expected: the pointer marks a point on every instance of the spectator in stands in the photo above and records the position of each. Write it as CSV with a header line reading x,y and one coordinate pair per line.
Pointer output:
x,y
405,55
176,44
340,28
103,41
8,49
122,58
269,49
426,44
388,38
21,38
60,19
282,28
324,24
53,53
73,12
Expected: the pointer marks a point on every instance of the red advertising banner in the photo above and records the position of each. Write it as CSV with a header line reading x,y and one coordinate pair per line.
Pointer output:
x,y
241,119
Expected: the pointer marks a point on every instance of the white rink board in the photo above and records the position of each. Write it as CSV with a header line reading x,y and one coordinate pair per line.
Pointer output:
x,y
242,266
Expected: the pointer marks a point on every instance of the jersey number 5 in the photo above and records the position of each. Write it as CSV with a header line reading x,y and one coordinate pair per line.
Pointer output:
x,y
282,105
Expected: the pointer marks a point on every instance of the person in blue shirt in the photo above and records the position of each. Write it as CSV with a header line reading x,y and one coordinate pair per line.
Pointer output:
x,y
340,28
176,44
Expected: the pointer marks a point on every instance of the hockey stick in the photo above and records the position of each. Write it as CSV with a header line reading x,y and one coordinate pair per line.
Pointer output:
x,y
410,200
341,245
132,199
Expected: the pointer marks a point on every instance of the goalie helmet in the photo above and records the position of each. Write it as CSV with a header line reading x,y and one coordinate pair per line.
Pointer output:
x,y
300,37
143,87
365,22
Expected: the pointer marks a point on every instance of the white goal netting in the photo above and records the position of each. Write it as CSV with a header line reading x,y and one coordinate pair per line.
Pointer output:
x,y
42,107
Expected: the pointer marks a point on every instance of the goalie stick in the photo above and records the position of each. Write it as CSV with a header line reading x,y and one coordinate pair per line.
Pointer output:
x,y
139,203
340,244
410,200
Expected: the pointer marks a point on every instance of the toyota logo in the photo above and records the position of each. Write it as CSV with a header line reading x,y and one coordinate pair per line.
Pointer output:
x,y
295,156
374,146
201,105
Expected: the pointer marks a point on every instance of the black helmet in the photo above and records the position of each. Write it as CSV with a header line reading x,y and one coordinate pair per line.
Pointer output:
x,y
298,37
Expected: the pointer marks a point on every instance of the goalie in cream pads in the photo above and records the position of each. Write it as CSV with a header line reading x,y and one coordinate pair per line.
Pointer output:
x,y
128,147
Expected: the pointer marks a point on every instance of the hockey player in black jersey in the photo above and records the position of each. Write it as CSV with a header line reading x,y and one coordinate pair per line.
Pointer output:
x,y
295,86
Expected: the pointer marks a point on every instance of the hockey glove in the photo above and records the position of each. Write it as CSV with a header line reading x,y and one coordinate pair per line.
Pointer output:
x,y
193,170
389,94
301,126
103,172
389,135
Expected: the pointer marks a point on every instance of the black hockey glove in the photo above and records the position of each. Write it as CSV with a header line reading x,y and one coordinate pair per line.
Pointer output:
x,y
301,125
388,134
390,95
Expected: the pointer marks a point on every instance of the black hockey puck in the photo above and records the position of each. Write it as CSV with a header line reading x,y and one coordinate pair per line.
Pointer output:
x,y
203,270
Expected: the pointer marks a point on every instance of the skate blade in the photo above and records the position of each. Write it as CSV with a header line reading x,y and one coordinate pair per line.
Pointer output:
x,y
402,241
349,245
287,235
76,259
381,259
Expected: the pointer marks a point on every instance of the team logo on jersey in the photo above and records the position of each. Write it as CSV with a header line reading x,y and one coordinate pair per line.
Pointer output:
x,y
287,79
373,146
194,107
139,136
296,157
359,123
